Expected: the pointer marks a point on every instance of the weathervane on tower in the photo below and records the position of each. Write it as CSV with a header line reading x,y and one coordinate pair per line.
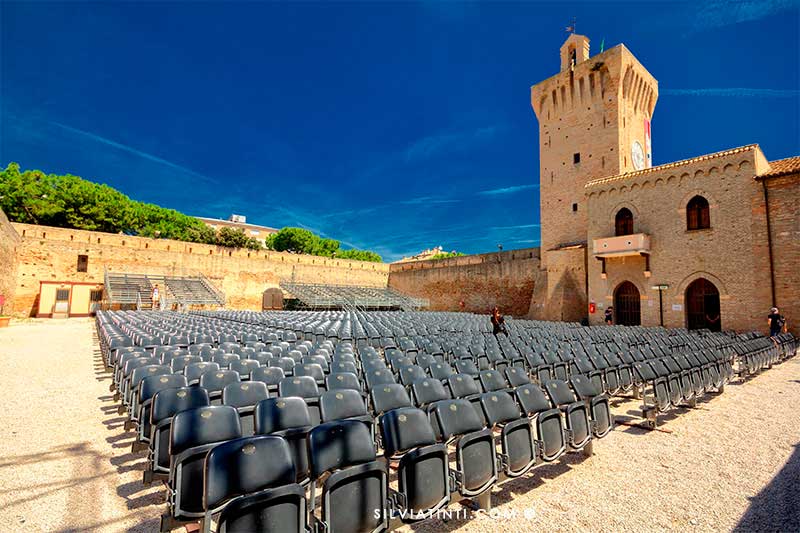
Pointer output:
x,y
571,29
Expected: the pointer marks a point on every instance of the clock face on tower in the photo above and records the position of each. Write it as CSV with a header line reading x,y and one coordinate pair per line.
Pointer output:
x,y
637,155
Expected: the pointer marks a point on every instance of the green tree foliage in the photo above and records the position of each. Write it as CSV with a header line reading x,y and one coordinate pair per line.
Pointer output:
x,y
447,255
302,241
236,238
34,197
360,255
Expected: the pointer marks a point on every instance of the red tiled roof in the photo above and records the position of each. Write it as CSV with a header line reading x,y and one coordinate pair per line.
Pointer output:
x,y
600,181
781,167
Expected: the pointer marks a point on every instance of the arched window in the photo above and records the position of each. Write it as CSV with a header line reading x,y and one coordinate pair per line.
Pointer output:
x,y
623,223
697,216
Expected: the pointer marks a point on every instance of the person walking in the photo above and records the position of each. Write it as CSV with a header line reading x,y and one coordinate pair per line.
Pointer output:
x,y
498,322
609,315
776,322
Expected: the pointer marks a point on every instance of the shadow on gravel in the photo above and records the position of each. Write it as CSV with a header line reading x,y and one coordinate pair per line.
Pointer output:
x,y
777,507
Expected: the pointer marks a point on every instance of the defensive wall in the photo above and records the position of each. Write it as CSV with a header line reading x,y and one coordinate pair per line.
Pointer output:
x,y
51,254
505,279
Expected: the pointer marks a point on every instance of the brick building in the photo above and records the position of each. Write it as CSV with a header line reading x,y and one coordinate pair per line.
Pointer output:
x,y
239,222
712,241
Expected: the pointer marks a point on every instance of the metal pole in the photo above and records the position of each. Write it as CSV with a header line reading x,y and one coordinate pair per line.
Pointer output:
x,y
660,307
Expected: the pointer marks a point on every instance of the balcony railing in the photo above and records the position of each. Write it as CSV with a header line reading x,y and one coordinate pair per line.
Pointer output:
x,y
636,244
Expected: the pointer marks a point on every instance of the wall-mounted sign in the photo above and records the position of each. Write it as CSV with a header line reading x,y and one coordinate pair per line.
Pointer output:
x,y
660,287
677,307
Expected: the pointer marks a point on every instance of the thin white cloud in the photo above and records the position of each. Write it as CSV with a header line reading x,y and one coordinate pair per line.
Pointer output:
x,y
738,92
430,146
719,13
132,150
521,226
507,190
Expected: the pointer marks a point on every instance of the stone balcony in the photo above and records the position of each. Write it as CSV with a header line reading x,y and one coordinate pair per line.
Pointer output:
x,y
624,245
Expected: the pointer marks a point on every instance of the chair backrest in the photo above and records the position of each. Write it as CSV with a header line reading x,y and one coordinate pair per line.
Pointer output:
x,y
499,407
379,377
492,380
311,369
389,396
216,380
411,373
405,428
152,385
428,390
466,366
462,385
341,404
244,366
456,417
195,370
516,376
203,425
559,392
337,445
532,399
271,375
584,387
244,394
244,466
279,414
343,380
302,386
170,401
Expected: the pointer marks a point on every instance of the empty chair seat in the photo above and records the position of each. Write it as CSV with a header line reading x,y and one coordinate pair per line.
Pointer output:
x,y
244,367
195,370
516,436
194,432
492,380
215,380
550,436
423,473
516,376
375,378
252,482
244,397
576,413
288,418
353,497
425,392
410,374
389,396
304,387
343,380
602,420
476,460
271,376
148,388
344,404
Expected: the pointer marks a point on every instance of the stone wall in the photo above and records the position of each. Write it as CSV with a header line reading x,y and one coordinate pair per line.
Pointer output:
x,y
560,289
505,279
784,217
9,241
51,254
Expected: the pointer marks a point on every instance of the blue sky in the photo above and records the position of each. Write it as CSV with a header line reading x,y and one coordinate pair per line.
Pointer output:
x,y
389,126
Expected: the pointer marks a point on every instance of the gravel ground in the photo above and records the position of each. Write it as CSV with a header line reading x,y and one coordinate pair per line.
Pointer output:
x,y
731,463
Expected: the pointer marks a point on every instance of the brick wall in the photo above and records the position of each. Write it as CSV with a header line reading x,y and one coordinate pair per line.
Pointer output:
x,y
560,289
732,254
9,240
51,254
505,279
784,216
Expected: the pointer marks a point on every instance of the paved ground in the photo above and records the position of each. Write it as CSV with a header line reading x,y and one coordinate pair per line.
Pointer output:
x,y
733,462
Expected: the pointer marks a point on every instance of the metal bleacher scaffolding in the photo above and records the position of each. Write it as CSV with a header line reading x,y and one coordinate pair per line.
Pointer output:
x,y
136,290
320,296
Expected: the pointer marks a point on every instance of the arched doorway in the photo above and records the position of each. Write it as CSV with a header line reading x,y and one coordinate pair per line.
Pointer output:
x,y
702,305
627,305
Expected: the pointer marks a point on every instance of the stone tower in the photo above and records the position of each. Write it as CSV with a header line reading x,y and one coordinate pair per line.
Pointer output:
x,y
594,121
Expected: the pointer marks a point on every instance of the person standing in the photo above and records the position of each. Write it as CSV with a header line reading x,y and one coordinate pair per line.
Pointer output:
x,y
776,321
609,315
498,323
156,297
